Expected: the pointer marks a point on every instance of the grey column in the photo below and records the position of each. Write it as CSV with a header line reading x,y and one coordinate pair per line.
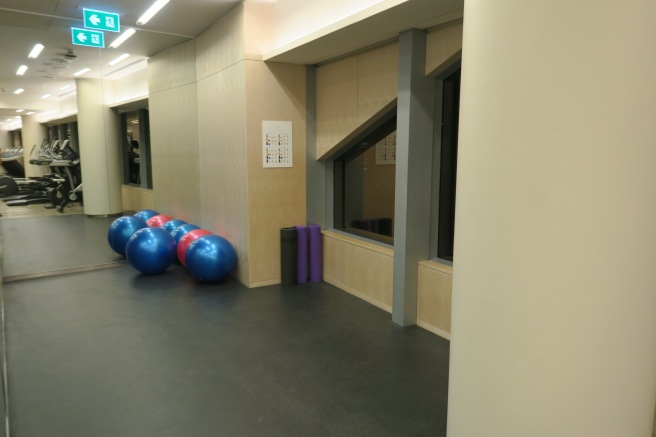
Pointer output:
x,y
315,170
414,146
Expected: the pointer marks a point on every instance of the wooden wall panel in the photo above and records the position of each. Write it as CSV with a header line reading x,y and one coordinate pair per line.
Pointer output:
x,y
172,68
434,298
222,148
358,267
442,45
378,77
276,196
136,198
221,45
175,152
337,102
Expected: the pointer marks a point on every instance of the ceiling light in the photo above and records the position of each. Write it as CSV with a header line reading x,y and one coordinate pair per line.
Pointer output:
x,y
119,59
64,87
21,70
159,4
45,96
29,113
135,121
81,72
36,51
20,110
121,39
19,91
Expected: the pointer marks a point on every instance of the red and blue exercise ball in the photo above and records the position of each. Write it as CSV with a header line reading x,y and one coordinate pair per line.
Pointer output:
x,y
210,258
181,230
158,220
172,224
121,230
146,214
186,240
150,250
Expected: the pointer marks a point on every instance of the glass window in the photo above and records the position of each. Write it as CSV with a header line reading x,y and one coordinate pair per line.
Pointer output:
x,y
364,176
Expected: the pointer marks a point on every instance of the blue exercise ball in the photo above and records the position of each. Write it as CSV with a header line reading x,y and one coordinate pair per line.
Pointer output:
x,y
210,258
172,224
146,214
151,250
181,230
121,230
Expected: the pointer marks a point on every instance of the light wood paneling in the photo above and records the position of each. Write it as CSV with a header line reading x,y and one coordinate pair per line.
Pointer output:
x,y
434,298
358,267
337,102
443,45
276,196
175,152
258,27
378,77
350,91
222,44
172,68
223,169
136,198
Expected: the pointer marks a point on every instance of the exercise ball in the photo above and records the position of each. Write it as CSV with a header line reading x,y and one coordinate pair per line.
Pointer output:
x,y
186,240
150,250
146,214
181,231
210,258
121,230
172,224
158,220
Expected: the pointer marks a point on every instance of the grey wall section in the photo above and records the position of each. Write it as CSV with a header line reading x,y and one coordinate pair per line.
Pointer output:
x,y
100,149
174,132
413,173
316,171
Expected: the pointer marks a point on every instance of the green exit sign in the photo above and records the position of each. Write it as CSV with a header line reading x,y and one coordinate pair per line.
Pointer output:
x,y
101,20
86,37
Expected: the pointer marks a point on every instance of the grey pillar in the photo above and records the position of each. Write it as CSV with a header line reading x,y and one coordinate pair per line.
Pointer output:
x,y
315,170
414,145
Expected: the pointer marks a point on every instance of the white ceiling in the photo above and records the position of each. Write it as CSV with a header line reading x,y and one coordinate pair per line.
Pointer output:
x,y
23,23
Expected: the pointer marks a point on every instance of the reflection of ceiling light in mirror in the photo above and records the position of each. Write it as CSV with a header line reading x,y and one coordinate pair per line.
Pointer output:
x,y
20,110
119,59
45,96
81,72
159,4
64,87
29,113
21,70
135,121
36,51
121,39
19,91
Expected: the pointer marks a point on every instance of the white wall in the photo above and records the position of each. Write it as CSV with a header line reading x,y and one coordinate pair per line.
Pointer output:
x,y
294,19
554,321
131,87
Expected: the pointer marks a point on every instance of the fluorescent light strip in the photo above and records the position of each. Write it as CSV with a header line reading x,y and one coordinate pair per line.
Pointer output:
x,y
21,70
19,91
119,59
81,72
20,110
159,4
36,51
64,87
29,113
45,96
121,39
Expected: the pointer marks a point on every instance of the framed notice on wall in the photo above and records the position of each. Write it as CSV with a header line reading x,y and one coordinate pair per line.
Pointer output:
x,y
276,144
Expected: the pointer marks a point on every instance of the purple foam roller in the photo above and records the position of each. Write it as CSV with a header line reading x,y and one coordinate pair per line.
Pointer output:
x,y
315,253
301,254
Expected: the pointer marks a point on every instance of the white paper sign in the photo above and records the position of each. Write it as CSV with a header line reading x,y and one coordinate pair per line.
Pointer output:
x,y
277,144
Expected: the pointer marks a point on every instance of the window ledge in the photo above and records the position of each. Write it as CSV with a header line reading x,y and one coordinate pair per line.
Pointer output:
x,y
364,243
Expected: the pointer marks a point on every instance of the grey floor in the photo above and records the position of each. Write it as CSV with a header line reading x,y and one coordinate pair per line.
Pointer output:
x,y
110,352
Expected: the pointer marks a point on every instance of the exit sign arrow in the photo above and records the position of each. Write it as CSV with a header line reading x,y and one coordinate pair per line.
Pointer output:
x,y
86,37
101,20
